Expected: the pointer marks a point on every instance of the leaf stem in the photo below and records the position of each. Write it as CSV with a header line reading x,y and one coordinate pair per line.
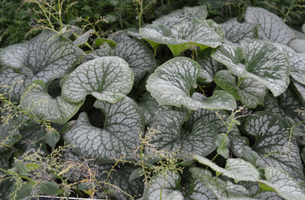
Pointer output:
x,y
239,81
1,144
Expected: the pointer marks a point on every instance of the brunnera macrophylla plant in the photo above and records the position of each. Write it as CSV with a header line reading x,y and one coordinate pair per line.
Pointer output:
x,y
224,104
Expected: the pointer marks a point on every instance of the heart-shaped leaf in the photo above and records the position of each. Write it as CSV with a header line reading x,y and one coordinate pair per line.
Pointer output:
x,y
171,83
170,135
161,185
134,52
248,91
183,15
185,35
44,57
236,32
274,144
106,78
118,137
209,66
271,27
138,56
221,189
264,63
283,184
37,100
236,168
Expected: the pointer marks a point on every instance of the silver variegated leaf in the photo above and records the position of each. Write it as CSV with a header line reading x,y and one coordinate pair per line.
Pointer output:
x,y
237,143
211,117
221,189
174,195
300,90
170,135
271,27
265,63
150,107
182,15
104,50
287,110
118,137
249,155
170,84
273,143
31,132
161,185
297,63
209,66
107,78
118,36
138,56
185,35
250,92
235,168
268,195
252,187
199,191
283,184
83,38
272,106
236,32
298,45
46,57
120,178
37,101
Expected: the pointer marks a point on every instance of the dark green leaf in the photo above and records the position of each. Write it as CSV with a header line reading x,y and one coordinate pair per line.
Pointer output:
x,y
49,188
52,137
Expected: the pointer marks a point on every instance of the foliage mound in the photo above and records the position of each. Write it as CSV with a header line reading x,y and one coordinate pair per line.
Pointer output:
x,y
182,108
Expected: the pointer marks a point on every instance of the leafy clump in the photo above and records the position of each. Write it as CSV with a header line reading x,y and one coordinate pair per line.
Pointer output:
x,y
187,109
